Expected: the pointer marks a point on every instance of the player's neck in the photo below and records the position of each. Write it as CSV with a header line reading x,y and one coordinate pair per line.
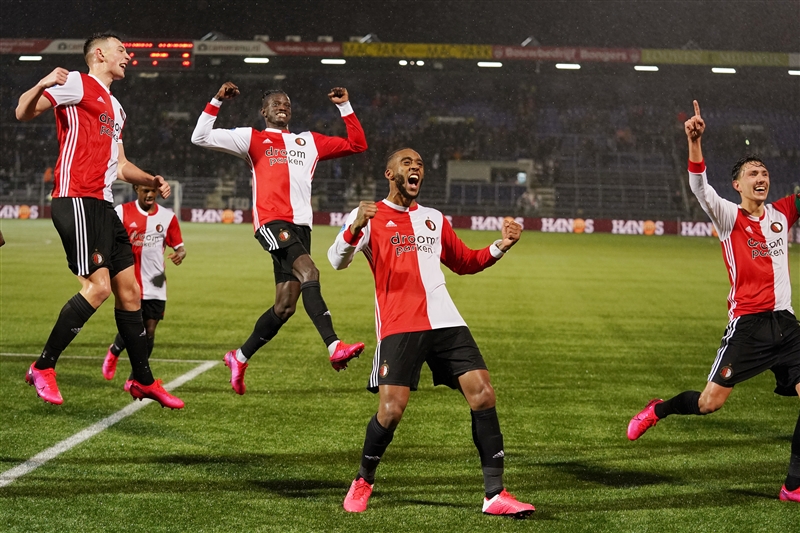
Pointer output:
x,y
752,208
398,199
105,77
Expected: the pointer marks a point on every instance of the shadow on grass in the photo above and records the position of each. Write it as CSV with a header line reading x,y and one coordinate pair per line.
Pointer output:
x,y
609,477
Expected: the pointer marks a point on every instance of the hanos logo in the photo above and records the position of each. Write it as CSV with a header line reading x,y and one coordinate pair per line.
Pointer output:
x,y
567,225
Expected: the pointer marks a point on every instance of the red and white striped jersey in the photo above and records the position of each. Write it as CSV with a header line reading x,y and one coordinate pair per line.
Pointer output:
x,y
755,250
150,234
405,248
282,163
89,122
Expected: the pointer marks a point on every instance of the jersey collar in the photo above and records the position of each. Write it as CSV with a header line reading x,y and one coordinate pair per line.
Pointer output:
x,y
400,208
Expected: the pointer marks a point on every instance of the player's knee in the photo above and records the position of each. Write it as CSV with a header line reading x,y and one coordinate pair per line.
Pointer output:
x,y
709,404
310,274
483,398
391,414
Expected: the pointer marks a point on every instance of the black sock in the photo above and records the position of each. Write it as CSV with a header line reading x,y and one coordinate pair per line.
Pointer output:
x,y
75,313
131,328
318,311
685,403
266,327
375,444
489,440
793,478
119,345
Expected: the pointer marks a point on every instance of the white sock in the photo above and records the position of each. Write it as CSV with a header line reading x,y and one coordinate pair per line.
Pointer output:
x,y
240,357
332,347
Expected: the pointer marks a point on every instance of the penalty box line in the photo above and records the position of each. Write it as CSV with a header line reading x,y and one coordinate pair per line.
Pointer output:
x,y
9,476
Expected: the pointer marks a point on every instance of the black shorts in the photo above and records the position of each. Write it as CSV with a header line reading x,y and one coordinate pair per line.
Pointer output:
x,y
153,309
449,352
758,342
92,235
285,242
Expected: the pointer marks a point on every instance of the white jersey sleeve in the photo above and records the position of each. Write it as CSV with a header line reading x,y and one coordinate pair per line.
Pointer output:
x,y
235,142
346,245
71,93
721,211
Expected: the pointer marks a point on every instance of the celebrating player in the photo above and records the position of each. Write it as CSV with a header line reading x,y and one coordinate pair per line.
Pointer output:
x,y
151,228
89,121
283,166
763,332
418,322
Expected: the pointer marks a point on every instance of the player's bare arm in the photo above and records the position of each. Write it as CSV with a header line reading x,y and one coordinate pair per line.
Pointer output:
x,y
177,255
227,91
32,103
130,173
694,128
366,211
338,95
511,232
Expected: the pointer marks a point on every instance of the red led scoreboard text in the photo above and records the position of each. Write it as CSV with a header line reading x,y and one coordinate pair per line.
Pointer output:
x,y
160,55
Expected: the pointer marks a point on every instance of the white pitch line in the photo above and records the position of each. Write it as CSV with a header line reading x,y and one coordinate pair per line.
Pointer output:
x,y
101,357
41,458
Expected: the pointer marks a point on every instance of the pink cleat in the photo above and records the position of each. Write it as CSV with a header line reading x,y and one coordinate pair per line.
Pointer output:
x,y
155,391
790,495
644,420
110,364
505,504
237,371
358,496
45,383
127,386
343,353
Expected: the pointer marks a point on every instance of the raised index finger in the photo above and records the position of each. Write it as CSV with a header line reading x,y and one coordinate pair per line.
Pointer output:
x,y
696,108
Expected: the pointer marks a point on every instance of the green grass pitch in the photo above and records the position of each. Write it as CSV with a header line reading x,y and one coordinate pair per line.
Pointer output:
x,y
579,332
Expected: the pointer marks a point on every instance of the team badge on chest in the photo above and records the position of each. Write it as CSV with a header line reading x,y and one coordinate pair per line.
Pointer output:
x,y
776,227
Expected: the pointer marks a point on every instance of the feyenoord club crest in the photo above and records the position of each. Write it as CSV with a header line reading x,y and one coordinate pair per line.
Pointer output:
x,y
431,226
300,141
776,227
283,235
726,372
384,371
97,258
159,228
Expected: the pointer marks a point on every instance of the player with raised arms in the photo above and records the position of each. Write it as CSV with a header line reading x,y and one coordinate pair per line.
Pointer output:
x,y
417,322
282,164
762,332
89,122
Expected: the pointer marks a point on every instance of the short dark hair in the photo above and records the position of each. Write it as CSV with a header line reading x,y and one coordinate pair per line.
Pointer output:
x,y
91,41
269,92
737,167
393,153
151,172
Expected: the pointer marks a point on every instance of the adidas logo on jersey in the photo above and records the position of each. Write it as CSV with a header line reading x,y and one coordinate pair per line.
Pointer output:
x,y
134,224
748,229
391,224
267,141
100,99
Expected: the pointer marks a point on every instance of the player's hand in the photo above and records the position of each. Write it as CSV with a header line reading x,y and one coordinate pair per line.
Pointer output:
x,y
510,232
57,77
366,210
227,91
177,256
695,126
338,95
163,187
